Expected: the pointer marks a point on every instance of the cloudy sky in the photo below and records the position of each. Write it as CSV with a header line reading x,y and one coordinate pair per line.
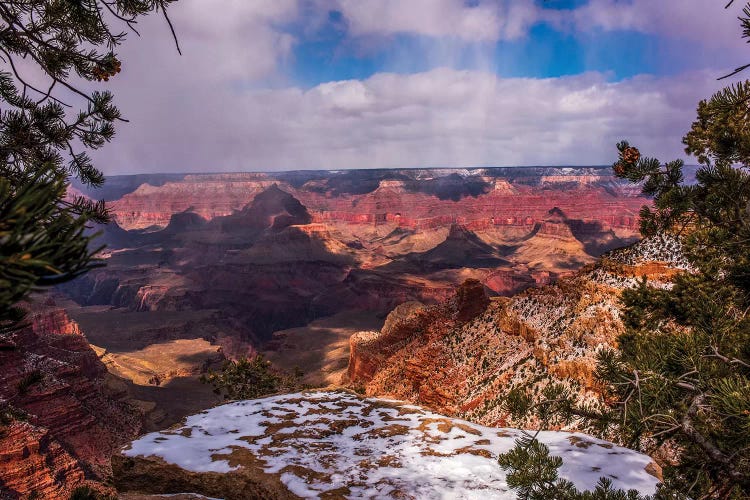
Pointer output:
x,y
332,84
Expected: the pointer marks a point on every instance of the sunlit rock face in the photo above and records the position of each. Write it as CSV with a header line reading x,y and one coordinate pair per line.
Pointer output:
x,y
465,366
31,460
338,445
72,420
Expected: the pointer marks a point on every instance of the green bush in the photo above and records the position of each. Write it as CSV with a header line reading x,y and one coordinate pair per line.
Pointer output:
x,y
249,378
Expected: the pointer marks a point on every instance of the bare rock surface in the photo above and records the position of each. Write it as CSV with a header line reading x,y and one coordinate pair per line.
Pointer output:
x,y
67,420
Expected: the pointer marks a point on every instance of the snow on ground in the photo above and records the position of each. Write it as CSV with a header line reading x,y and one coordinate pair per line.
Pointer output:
x,y
323,441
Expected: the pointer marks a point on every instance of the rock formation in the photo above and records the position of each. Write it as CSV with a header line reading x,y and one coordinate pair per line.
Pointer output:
x,y
60,420
463,361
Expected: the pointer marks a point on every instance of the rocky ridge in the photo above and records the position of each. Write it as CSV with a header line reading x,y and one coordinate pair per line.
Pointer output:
x,y
465,366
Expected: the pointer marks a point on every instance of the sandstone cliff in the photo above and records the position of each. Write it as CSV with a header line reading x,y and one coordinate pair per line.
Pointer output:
x,y
60,423
464,365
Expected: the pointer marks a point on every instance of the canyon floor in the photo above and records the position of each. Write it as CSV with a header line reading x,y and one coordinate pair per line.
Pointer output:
x,y
321,349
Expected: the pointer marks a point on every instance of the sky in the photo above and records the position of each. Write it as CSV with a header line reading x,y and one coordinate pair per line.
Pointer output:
x,y
267,85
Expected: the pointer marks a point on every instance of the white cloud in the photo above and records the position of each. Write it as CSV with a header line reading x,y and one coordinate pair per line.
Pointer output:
x,y
487,21
176,104
224,105
438,118
230,41
493,20
697,20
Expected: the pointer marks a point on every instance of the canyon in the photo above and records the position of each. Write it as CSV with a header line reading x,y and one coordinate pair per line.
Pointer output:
x,y
277,251
204,267
434,286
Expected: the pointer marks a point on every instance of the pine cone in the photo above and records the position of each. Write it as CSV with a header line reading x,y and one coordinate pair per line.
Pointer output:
x,y
107,69
631,155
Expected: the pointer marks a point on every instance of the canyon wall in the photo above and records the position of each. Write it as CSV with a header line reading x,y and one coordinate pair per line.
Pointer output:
x,y
60,419
416,199
465,366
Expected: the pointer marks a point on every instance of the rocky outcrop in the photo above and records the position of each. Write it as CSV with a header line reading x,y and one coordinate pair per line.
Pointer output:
x,y
469,302
61,422
368,349
412,324
337,445
544,335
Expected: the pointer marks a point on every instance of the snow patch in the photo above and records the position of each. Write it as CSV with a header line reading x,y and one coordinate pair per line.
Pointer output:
x,y
376,448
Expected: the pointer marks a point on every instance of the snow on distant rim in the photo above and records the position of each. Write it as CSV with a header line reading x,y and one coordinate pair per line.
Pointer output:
x,y
376,448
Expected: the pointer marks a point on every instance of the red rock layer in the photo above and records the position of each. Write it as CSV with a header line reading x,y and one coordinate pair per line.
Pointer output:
x,y
545,335
504,204
516,205
71,421
32,461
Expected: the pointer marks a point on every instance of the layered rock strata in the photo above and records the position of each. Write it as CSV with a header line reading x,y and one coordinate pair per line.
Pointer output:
x,y
465,366
60,421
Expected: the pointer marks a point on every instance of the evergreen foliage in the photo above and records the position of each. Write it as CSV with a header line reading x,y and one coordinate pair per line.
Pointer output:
x,y
533,473
29,380
745,23
43,138
249,378
42,242
682,373
9,414
89,493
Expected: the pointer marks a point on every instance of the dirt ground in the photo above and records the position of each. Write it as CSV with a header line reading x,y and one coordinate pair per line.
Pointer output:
x,y
320,349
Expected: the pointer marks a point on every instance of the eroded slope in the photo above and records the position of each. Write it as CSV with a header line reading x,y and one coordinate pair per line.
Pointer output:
x,y
465,366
